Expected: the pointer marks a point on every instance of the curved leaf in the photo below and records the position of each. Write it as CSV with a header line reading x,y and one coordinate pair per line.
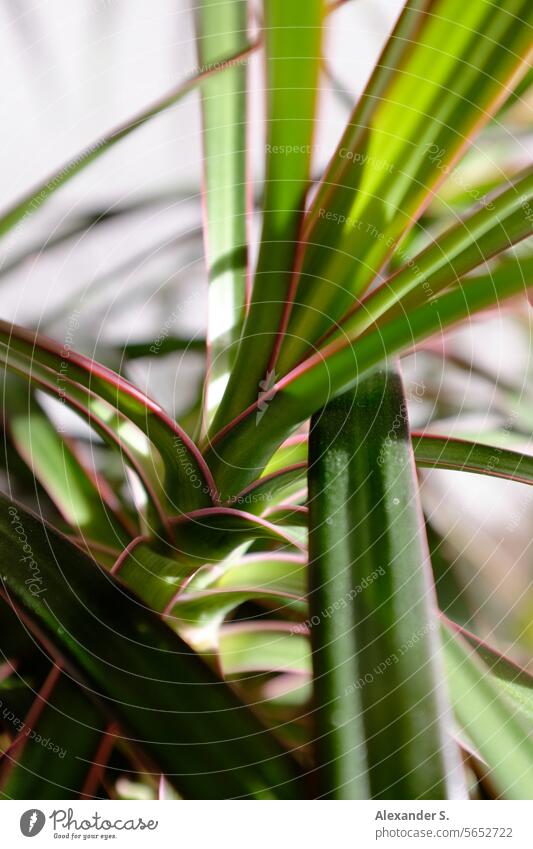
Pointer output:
x,y
190,723
498,225
443,452
489,718
200,538
34,199
187,479
79,498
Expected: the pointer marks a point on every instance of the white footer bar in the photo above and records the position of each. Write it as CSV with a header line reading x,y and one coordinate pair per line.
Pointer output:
x,y
267,825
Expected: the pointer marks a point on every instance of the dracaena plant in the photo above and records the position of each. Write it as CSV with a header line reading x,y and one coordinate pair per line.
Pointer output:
x,y
260,619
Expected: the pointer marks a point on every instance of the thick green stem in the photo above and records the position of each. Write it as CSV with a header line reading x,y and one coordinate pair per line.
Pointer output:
x,y
381,712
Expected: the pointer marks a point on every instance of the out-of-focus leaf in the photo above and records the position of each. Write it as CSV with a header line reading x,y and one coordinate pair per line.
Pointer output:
x,y
452,599
57,741
106,636
489,717
200,538
34,199
169,345
75,492
115,429
248,647
277,578
187,481
443,452
511,680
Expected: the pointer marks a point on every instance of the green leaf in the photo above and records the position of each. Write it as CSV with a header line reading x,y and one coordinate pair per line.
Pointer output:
x,y
500,223
212,593
57,741
116,430
248,647
34,199
489,716
200,538
271,488
452,595
55,465
187,479
446,69
222,31
292,35
443,452
239,453
380,708
190,724
169,345
511,680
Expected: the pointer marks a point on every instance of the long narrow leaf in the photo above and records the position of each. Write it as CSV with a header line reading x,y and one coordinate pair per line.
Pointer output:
x,y
293,37
34,199
446,69
184,467
489,718
379,703
222,30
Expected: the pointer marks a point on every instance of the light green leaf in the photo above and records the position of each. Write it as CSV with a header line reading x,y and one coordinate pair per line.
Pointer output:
x,y
222,31
55,465
293,36
443,452
490,718
446,69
